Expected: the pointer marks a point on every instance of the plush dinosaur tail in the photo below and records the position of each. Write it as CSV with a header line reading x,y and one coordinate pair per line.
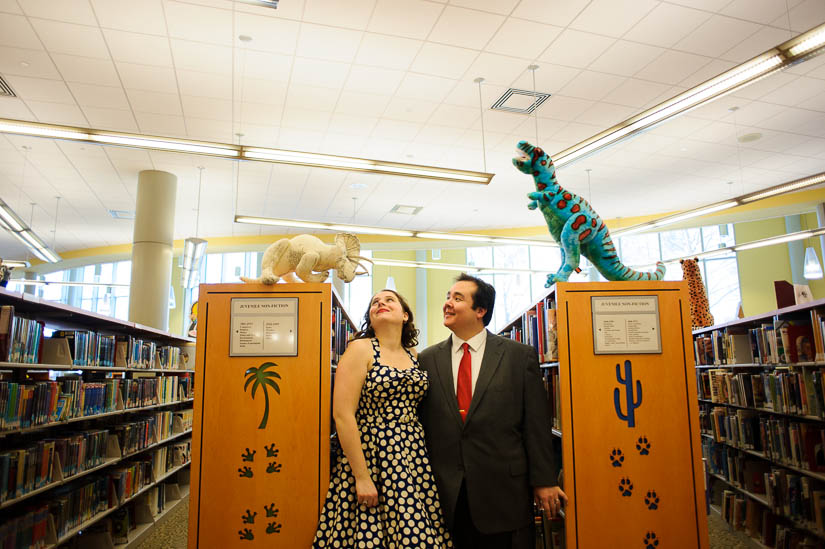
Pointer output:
x,y
608,263
250,280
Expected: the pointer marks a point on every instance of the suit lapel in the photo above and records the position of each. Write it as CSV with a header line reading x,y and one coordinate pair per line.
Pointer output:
x,y
444,371
493,352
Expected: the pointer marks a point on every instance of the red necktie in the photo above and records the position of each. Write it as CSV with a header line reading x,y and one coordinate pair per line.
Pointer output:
x,y
464,388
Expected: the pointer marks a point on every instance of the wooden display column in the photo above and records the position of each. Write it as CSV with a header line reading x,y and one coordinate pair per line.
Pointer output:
x,y
260,446
630,434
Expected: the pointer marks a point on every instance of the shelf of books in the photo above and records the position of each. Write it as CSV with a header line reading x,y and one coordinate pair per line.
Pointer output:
x,y
275,443
615,362
95,425
761,387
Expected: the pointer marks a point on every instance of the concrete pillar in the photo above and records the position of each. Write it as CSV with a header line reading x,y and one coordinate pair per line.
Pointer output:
x,y
152,249
796,249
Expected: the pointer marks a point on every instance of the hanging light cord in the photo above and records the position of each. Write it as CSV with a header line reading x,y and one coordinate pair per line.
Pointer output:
x,y
535,99
481,112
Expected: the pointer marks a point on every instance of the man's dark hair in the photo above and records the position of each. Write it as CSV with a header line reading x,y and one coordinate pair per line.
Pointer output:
x,y
484,296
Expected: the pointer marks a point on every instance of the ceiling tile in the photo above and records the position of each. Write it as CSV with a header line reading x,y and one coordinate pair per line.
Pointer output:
x,y
366,104
373,80
57,113
758,11
87,70
263,91
71,39
206,108
389,52
12,107
801,89
711,70
612,17
353,14
209,130
561,107
199,23
714,6
395,129
90,95
503,7
260,136
591,85
39,89
143,77
310,97
267,33
263,65
666,25
328,43
260,113
111,119
549,78
605,115
672,67
766,85
438,135
300,140
524,39
347,124
446,61
203,84
305,120
635,93
465,94
148,102
313,72
411,18
15,31
427,88
561,13
202,57
139,48
70,11
716,36
761,41
625,58
465,28
576,49
802,15
32,63
410,110
455,117
146,16
10,6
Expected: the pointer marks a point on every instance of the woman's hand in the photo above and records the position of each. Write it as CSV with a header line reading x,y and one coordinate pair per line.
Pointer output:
x,y
366,492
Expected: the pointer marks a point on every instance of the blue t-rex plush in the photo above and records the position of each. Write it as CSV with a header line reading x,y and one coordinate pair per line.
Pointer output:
x,y
573,223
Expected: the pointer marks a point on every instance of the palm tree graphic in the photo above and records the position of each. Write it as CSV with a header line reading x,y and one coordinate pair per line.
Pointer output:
x,y
262,377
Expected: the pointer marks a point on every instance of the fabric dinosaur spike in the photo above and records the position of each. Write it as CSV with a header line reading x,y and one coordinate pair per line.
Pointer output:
x,y
574,225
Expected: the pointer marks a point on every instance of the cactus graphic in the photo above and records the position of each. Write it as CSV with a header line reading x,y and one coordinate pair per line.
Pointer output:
x,y
632,403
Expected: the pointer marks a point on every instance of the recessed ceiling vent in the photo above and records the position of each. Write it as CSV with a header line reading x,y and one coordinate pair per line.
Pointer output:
x,y
5,89
520,101
122,214
406,210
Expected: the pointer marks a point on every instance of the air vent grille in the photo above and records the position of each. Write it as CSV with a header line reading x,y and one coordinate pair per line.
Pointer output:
x,y
519,101
5,89
122,214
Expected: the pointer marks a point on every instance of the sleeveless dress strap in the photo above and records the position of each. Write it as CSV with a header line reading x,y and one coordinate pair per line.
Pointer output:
x,y
376,352
412,357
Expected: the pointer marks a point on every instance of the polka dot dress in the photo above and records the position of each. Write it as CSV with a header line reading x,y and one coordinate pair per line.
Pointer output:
x,y
408,512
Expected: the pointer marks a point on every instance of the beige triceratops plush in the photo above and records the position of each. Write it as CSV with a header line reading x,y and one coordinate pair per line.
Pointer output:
x,y
310,259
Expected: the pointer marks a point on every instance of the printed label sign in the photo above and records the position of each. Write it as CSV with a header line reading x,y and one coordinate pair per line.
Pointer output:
x,y
626,324
264,327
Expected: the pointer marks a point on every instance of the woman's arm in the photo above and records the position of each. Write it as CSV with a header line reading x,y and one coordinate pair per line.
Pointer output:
x,y
349,380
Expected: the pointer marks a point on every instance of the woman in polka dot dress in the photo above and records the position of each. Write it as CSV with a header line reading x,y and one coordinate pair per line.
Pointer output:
x,y
382,493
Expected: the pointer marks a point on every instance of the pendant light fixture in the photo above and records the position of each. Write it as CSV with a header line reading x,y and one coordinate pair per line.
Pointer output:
x,y
193,248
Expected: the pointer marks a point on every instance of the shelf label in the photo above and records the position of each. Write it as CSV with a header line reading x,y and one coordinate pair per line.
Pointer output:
x,y
264,326
626,324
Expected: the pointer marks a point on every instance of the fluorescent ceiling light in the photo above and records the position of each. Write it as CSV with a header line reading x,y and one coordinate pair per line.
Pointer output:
x,y
524,242
453,236
164,144
369,230
694,213
364,165
41,130
777,240
26,282
10,218
782,56
252,220
14,263
263,3
784,188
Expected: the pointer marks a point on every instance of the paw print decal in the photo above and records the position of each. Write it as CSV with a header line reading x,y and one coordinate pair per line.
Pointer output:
x,y
625,487
643,445
273,528
616,457
273,467
652,500
248,456
245,472
246,534
249,518
651,541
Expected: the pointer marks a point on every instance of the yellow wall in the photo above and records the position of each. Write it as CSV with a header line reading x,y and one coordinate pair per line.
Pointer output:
x,y
404,276
760,267
438,283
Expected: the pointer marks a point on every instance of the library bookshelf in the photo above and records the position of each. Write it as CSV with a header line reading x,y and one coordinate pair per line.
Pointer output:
x,y
95,426
261,452
761,391
632,479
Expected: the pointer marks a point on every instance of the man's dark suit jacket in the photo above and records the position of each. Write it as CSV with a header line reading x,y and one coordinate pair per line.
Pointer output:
x,y
504,447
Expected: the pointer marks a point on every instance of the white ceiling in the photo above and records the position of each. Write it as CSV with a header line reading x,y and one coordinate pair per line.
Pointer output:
x,y
392,79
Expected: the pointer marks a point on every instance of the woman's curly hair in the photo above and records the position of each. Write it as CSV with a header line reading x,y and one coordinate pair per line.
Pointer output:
x,y
409,333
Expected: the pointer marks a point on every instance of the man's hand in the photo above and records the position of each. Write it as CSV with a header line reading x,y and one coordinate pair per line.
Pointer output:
x,y
549,499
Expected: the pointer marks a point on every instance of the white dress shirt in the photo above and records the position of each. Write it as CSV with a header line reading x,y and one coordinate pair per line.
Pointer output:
x,y
477,344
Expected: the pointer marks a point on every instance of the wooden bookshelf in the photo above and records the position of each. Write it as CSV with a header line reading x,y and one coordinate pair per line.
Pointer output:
x,y
20,444
590,429
762,413
273,449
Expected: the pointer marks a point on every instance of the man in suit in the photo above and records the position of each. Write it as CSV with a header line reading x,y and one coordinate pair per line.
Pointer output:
x,y
490,456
